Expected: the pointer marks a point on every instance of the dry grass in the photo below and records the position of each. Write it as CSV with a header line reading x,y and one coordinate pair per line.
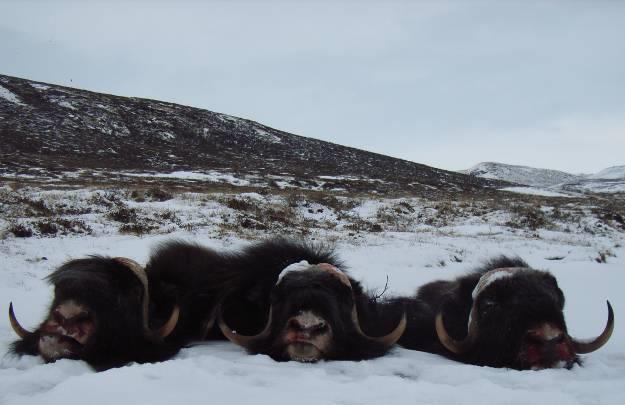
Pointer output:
x,y
52,209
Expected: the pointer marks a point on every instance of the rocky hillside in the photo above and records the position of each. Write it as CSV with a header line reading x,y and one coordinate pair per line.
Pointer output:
x,y
59,131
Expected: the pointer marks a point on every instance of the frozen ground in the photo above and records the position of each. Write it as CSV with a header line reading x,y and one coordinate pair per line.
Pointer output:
x,y
222,373
534,191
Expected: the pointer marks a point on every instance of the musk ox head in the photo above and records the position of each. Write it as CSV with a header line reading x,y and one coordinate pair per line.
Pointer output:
x,y
99,314
516,321
313,316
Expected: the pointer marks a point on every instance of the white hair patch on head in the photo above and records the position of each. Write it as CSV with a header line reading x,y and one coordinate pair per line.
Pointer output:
x,y
299,266
490,277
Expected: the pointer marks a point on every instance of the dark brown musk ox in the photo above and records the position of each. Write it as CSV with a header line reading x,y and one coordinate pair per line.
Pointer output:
x,y
100,314
293,302
504,314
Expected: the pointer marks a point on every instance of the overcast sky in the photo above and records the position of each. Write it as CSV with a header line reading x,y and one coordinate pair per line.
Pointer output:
x,y
448,84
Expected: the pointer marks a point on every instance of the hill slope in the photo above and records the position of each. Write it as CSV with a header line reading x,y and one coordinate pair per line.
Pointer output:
x,y
58,128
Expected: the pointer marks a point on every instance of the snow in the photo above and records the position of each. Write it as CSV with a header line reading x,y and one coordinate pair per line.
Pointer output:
x,y
66,104
535,191
611,173
599,186
610,180
223,373
10,96
267,136
39,86
167,136
351,178
339,178
212,176
520,174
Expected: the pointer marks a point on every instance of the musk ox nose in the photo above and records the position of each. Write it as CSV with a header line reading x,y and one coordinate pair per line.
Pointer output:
x,y
546,346
69,319
307,321
546,333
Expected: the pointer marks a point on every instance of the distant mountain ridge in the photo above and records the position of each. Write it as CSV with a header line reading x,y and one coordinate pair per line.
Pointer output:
x,y
609,180
55,129
520,174
614,172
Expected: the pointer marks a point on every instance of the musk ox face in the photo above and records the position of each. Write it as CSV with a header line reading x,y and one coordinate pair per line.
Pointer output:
x,y
99,314
516,321
313,317
68,332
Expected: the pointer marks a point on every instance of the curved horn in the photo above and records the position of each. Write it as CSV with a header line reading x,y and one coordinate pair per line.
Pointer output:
x,y
386,340
21,332
243,340
587,346
169,326
332,269
451,344
462,346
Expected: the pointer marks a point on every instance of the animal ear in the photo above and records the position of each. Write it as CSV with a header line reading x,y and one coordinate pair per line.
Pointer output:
x,y
553,282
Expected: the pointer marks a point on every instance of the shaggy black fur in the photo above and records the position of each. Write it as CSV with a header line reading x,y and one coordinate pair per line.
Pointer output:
x,y
198,279
112,294
506,309
243,282
325,295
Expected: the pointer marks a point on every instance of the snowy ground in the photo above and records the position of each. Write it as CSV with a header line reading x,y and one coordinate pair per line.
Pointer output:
x,y
222,373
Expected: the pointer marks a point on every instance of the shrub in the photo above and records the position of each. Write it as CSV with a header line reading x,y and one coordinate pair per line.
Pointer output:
x,y
21,231
47,228
527,217
239,204
158,194
123,214
137,228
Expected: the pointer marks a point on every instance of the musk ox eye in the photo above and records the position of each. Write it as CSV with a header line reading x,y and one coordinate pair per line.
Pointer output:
x,y
488,304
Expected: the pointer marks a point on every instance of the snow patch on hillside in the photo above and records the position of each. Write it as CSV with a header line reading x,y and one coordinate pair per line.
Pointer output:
x,y
40,86
267,135
10,96
597,186
535,191
65,104
211,176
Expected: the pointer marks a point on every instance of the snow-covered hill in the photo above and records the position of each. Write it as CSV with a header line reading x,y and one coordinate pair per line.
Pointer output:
x,y
610,180
611,173
529,176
